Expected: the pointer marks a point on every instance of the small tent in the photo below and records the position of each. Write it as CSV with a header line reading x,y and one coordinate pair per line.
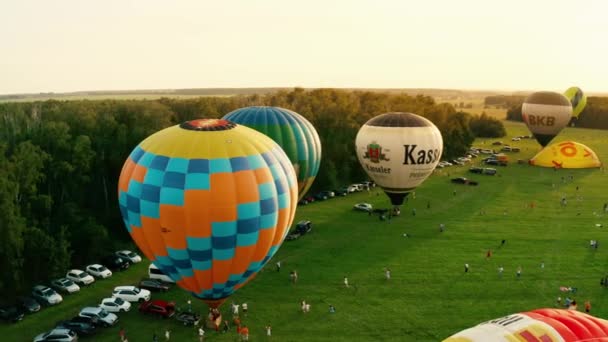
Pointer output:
x,y
567,155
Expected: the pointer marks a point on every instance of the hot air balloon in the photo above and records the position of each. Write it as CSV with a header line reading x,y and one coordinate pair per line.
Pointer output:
x,y
398,151
209,202
292,132
577,98
537,325
546,114
567,155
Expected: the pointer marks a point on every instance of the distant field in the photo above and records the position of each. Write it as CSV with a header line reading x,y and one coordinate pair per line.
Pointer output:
x,y
429,296
478,107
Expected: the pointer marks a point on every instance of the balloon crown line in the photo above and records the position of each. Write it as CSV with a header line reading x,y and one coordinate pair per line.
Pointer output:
x,y
208,125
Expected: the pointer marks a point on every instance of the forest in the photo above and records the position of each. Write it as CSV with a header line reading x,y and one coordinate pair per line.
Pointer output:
x,y
60,162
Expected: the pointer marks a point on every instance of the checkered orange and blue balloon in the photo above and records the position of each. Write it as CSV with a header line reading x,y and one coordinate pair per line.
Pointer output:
x,y
209,202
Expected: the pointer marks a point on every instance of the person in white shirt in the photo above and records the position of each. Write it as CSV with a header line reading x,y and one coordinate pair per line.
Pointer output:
x,y
235,309
245,308
201,334
345,281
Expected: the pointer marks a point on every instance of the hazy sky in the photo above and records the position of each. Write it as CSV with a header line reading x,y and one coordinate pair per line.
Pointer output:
x,y
472,44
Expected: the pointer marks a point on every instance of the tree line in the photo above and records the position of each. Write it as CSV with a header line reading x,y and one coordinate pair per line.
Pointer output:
x,y
60,162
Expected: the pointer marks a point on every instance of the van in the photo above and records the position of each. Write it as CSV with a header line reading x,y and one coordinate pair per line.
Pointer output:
x,y
155,273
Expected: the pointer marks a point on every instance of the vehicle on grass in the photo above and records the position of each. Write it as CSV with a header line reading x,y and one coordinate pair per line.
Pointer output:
x,y
155,273
516,139
80,277
11,313
439,166
105,318
28,304
463,159
94,321
115,304
487,151
306,200
515,149
65,285
292,236
323,195
457,162
116,262
80,328
506,149
476,170
154,285
161,308
341,192
363,207
489,171
45,295
493,161
463,180
300,229
302,202
496,143
57,335
133,257
369,184
99,271
188,318
352,188
131,293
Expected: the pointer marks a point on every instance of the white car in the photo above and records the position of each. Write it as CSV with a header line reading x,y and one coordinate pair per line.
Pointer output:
x,y
46,295
131,293
363,207
80,277
115,304
102,315
98,271
65,285
133,257
57,335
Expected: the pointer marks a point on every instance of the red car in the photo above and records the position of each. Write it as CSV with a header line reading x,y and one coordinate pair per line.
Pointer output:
x,y
158,307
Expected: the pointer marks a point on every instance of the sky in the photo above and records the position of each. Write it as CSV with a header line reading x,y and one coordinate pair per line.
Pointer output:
x,y
62,46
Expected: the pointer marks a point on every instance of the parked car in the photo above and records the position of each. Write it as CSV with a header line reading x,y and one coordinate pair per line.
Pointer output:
x,y
493,161
158,307
94,321
133,257
131,293
516,139
80,277
57,335
323,195
303,227
363,207
98,271
80,328
476,170
292,236
489,171
369,184
155,273
496,143
515,149
46,295
65,285
28,304
116,262
457,162
154,285
115,304
341,192
352,188
303,201
188,318
506,149
105,318
463,180
11,313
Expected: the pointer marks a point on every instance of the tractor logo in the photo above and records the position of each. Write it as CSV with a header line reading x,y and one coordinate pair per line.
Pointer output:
x,y
374,153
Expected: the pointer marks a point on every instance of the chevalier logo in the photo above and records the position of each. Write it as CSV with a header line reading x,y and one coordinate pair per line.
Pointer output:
x,y
374,153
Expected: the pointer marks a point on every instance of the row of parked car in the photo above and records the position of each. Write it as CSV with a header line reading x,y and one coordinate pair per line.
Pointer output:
x,y
343,191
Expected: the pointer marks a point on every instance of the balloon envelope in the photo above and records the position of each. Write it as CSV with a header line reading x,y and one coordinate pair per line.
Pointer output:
x,y
296,135
546,114
209,202
398,151
577,98
567,155
537,325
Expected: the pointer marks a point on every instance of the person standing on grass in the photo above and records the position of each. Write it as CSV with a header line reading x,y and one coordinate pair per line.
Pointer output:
x,y
518,272
189,305
500,270
489,254
167,334
245,308
122,334
332,309
387,273
235,309
154,337
559,301
345,281
588,306
268,330
201,334
244,333
466,268
278,265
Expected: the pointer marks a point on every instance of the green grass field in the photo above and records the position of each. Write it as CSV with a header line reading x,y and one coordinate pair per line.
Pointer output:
x,y
429,296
